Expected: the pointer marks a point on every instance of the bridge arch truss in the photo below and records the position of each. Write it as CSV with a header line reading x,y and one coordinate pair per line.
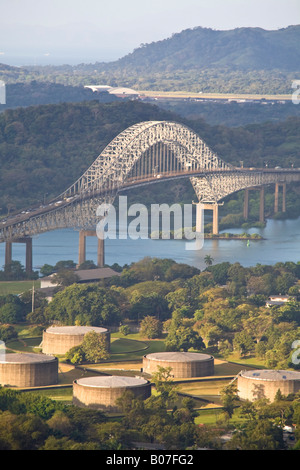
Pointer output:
x,y
114,165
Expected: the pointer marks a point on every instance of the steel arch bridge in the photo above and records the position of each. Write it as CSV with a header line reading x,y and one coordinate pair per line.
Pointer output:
x,y
168,147
144,153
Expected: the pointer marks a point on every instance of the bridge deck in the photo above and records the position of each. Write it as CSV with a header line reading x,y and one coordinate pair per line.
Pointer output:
x,y
279,174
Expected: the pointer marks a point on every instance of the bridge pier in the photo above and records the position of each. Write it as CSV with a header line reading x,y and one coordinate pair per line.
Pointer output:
x,y
211,206
276,201
28,265
8,253
82,247
28,256
100,253
246,204
199,218
261,203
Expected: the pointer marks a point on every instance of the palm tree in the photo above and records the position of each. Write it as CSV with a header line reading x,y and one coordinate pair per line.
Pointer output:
x,y
208,260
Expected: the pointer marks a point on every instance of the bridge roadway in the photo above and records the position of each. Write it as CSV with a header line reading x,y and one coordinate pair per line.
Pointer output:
x,y
58,204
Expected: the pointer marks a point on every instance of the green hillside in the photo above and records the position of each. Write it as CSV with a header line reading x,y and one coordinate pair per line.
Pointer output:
x,y
240,48
243,60
36,93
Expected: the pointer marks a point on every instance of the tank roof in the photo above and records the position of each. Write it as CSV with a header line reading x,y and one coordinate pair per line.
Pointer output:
x,y
272,375
26,358
74,330
178,356
111,381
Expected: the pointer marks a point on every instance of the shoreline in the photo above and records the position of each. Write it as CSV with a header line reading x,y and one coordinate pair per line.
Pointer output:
x,y
209,236
233,237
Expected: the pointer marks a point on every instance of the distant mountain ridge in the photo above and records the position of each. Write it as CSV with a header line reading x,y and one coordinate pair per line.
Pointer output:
x,y
240,48
241,60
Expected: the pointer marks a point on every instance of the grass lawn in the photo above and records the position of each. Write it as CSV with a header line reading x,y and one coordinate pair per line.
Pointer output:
x,y
223,368
17,287
208,417
59,394
125,345
133,347
212,417
25,345
206,390
130,369
67,373
210,389
250,362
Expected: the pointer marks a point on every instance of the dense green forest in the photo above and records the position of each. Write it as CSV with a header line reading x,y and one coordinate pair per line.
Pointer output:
x,y
43,149
34,93
225,80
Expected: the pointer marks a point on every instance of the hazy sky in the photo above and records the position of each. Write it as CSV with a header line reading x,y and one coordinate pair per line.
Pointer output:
x,y
72,31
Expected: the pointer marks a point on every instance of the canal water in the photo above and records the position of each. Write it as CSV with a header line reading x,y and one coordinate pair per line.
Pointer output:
x,y
281,243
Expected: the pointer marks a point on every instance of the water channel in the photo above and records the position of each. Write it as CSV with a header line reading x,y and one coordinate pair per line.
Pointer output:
x,y
281,243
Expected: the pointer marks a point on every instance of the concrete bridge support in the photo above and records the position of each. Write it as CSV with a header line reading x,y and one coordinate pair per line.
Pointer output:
x,y
199,218
261,203
246,204
214,206
82,247
8,252
276,202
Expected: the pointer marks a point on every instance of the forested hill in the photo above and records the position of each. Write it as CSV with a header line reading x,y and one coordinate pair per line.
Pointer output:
x,y
36,93
242,60
241,48
43,149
